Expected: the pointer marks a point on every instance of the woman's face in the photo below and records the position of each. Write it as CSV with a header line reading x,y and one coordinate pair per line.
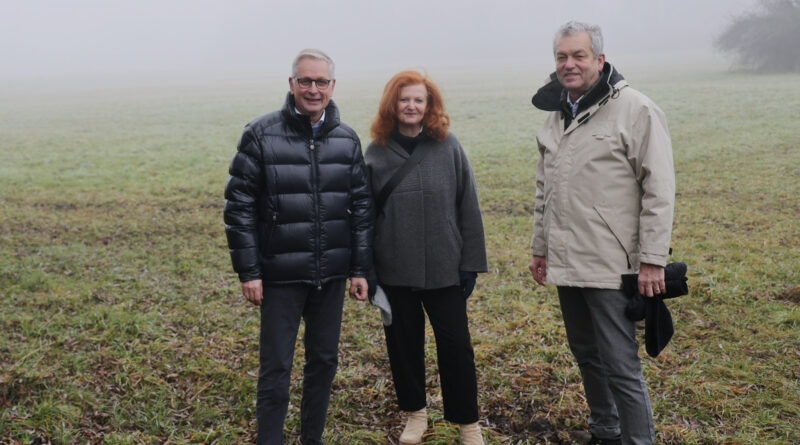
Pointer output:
x,y
411,105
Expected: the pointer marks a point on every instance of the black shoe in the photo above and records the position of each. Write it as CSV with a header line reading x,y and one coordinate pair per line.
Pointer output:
x,y
598,441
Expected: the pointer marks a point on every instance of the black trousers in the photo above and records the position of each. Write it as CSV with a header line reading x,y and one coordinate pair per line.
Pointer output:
x,y
281,311
405,341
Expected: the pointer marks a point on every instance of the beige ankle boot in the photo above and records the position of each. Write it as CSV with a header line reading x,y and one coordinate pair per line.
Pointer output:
x,y
471,434
416,424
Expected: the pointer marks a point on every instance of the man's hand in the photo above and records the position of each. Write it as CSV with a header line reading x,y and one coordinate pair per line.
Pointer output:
x,y
651,280
253,291
538,269
359,288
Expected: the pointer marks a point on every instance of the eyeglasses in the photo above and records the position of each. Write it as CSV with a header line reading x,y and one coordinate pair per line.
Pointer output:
x,y
305,83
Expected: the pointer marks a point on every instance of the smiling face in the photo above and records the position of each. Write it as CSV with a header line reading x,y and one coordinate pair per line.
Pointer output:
x,y
577,67
411,106
312,101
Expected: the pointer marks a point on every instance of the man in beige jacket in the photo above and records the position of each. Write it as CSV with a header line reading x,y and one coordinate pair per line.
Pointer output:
x,y
605,191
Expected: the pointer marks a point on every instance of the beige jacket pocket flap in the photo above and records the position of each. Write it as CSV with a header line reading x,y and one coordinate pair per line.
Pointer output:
x,y
624,239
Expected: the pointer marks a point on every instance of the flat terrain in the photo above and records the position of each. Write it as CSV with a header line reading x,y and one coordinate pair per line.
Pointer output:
x,y
121,321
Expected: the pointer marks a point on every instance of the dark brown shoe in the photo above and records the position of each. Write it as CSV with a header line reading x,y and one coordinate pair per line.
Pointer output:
x,y
598,441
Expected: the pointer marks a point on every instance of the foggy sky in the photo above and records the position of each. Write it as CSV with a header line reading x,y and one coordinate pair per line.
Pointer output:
x,y
106,38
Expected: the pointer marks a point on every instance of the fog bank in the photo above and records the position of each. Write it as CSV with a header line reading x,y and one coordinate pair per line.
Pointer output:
x,y
93,39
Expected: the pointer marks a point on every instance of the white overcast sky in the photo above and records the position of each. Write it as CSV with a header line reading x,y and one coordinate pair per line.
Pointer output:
x,y
106,38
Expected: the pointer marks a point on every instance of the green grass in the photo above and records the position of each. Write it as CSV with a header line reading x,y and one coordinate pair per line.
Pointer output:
x,y
122,322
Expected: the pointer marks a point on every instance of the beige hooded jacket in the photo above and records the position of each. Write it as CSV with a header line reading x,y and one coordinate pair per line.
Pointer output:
x,y
605,189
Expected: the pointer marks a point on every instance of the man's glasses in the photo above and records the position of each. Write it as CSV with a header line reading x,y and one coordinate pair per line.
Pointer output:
x,y
305,83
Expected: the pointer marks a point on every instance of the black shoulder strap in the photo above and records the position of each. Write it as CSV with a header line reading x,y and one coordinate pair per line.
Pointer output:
x,y
415,158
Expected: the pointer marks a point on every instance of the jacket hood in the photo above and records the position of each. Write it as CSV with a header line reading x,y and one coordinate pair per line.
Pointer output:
x,y
303,122
552,96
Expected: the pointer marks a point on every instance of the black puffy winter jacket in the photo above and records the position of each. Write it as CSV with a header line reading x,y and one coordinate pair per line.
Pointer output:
x,y
298,207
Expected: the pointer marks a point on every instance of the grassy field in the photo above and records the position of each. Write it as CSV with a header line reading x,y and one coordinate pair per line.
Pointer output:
x,y
121,321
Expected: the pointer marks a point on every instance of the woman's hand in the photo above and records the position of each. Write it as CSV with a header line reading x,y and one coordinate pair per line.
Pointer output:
x,y
468,280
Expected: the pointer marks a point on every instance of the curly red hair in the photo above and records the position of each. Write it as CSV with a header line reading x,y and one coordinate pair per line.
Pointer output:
x,y
436,121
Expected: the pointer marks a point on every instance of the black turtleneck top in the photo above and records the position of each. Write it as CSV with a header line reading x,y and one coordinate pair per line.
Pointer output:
x,y
408,143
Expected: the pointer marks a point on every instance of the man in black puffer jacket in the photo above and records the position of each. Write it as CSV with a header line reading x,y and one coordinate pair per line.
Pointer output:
x,y
298,216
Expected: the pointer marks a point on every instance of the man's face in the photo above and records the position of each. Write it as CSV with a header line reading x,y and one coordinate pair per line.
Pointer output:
x,y
577,68
311,101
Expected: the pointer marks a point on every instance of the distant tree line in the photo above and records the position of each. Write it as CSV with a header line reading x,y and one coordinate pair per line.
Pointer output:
x,y
765,40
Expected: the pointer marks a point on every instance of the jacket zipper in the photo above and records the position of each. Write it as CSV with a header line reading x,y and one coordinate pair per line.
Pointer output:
x,y
274,222
268,233
314,187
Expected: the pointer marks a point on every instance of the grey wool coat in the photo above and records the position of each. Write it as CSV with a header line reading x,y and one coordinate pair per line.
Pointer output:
x,y
430,228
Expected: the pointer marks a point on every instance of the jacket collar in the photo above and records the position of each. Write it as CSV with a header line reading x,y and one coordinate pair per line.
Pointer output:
x,y
553,97
424,142
302,123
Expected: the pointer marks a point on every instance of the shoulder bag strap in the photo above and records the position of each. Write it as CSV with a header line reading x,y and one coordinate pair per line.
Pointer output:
x,y
415,158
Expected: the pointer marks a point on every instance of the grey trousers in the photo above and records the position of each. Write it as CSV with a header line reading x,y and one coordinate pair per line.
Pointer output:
x,y
281,311
603,342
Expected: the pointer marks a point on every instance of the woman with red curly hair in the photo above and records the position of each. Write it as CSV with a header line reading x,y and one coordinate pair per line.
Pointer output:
x,y
429,246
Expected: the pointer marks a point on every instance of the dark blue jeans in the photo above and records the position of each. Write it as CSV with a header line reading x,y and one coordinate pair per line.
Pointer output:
x,y
281,311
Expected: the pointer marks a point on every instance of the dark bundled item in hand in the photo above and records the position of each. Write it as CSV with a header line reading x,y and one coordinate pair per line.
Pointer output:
x,y
658,320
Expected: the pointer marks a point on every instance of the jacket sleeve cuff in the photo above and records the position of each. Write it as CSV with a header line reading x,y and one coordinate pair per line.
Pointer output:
x,y
249,276
538,244
653,258
478,263
538,247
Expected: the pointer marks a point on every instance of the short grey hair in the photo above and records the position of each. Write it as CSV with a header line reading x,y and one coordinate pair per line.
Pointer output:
x,y
574,27
311,53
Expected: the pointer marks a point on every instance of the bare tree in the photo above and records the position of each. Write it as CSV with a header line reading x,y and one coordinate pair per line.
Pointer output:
x,y
766,40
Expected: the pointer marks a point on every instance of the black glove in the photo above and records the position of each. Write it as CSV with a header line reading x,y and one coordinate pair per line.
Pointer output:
x,y
468,280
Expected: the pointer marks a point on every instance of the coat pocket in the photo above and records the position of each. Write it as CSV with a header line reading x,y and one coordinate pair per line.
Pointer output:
x,y
623,237
602,131
456,232
266,229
